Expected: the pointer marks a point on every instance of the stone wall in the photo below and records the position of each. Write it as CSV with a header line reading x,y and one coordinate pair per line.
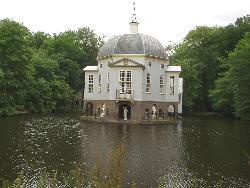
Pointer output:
x,y
138,108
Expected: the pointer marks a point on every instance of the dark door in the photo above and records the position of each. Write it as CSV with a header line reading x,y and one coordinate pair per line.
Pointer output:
x,y
121,111
89,108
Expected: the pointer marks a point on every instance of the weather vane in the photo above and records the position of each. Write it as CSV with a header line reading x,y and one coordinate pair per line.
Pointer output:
x,y
134,19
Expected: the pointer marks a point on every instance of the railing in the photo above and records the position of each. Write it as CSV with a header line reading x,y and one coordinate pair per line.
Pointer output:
x,y
159,116
124,95
94,114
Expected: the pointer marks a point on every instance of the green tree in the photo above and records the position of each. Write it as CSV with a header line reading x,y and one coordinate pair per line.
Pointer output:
x,y
41,40
74,50
199,60
65,48
232,92
16,66
90,44
222,96
40,72
204,53
49,89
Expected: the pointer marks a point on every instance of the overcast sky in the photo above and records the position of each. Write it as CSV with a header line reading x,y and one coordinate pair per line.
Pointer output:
x,y
166,20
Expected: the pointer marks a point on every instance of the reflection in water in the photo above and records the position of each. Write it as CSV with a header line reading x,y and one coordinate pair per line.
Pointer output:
x,y
203,152
44,145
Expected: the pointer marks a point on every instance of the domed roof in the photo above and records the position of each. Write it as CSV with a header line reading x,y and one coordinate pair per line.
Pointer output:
x,y
134,43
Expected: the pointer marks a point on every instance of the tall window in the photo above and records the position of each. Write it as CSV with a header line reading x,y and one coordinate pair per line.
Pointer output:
x,y
128,76
91,82
125,82
100,83
161,84
108,83
148,85
122,76
128,87
172,84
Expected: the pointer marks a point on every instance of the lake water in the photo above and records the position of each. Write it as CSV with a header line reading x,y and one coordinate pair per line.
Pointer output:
x,y
207,151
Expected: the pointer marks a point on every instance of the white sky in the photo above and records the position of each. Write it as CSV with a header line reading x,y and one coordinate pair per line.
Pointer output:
x,y
166,20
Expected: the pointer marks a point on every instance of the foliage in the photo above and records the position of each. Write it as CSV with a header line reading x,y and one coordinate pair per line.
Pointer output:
x,y
232,92
214,68
16,66
40,72
199,61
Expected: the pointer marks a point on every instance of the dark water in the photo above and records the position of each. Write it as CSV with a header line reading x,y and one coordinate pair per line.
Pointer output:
x,y
203,151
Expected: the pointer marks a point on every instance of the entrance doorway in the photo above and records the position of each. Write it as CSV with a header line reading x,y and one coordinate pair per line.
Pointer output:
x,y
89,108
121,111
171,111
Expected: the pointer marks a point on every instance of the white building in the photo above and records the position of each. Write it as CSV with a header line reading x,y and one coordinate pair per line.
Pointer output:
x,y
133,72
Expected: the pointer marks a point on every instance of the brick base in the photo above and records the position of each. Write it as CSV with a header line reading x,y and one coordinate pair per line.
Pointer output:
x,y
138,109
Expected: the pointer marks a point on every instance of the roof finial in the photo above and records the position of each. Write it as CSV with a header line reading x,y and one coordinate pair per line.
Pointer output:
x,y
134,19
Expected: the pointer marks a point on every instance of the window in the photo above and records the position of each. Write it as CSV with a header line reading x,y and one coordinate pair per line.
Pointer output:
x,y
149,64
91,82
162,66
108,83
125,82
122,76
128,88
161,84
148,85
122,88
91,79
100,83
90,88
161,89
128,78
161,80
108,78
107,87
100,79
172,84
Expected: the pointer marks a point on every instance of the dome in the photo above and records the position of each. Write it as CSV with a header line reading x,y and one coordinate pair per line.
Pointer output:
x,y
134,43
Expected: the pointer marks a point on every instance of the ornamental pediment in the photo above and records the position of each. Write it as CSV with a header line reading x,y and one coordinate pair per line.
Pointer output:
x,y
126,62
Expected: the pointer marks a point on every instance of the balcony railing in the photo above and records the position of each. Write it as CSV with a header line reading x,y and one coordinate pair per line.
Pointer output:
x,y
124,95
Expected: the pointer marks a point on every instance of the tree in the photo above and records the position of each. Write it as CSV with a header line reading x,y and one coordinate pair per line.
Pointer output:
x,y
74,50
222,95
90,44
49,89
199,60
232,92
16,67
204,53
40,72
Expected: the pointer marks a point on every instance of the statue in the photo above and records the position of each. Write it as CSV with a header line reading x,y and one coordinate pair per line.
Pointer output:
x,y
125,113
153,112
103,110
